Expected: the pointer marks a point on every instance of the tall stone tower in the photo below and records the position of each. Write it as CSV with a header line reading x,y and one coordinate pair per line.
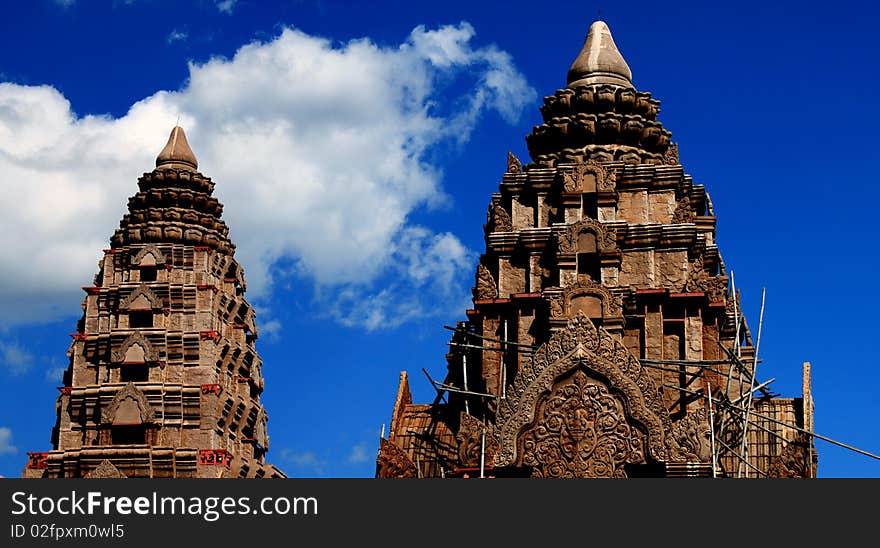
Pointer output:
x,y
602,320
164,380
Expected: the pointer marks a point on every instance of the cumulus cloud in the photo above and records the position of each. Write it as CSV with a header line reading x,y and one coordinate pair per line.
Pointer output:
x,y
319,150
6,447
15,359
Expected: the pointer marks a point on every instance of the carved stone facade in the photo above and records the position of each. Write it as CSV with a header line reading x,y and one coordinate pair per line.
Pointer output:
x,y
163,377
601,311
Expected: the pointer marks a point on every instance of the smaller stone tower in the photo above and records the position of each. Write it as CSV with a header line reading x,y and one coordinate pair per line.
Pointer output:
x,y
164,380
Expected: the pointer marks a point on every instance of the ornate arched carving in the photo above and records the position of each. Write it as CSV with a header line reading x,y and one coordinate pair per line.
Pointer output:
x,y
601,356
684,212
150,249
698,279
485,287
513,163
670,157
580,431
146,294
694,435
129,395
393,462
606,239
500,219
150,353
606,179
561,307
793,461
105,470
471,443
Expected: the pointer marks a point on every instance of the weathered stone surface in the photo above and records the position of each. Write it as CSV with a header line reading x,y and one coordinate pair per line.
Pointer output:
x,y
609,282
163,370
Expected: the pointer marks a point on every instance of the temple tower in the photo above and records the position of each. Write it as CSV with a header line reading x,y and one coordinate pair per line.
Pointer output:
x,y
164,379
601,316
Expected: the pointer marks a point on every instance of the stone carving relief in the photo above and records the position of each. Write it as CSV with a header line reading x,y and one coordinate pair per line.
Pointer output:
x,y
393,462
698,279
684,212
793,461
500,219
606,239
580,431
145,294
600,356
129,400
470,442
513,163
105,470
158,257
606,179
150,353
485,287
560,305
694,435
670,157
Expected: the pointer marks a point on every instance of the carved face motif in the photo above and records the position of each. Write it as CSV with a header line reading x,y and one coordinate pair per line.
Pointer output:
x,y
580,431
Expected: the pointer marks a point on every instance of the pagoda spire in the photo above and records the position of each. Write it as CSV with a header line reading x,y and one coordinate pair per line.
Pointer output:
x,y
599,61
177,154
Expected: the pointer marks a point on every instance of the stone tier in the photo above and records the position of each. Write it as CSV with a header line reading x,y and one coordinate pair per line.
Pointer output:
x,y
601,122
174,206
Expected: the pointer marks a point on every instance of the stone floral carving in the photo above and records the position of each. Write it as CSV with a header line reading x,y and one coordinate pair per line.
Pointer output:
x,y
694,435
580,431
670,157
793,461
560,305
485,287
606,179
470,442
513,163
393,462
684,212
580,345
698,279
105,470
606,239
500,219
129,391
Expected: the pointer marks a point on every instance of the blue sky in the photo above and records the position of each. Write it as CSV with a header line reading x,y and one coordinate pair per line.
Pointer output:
x,y
356,145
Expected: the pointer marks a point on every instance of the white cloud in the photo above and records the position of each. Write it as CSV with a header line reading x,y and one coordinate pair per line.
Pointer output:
x,y
177,35
6,447
14,358
303,460
319,152
359,453
225,6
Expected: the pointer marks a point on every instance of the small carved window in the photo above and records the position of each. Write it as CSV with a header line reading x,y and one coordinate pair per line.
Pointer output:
x,y
149,273
128,434
590,208
134,373
140,319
